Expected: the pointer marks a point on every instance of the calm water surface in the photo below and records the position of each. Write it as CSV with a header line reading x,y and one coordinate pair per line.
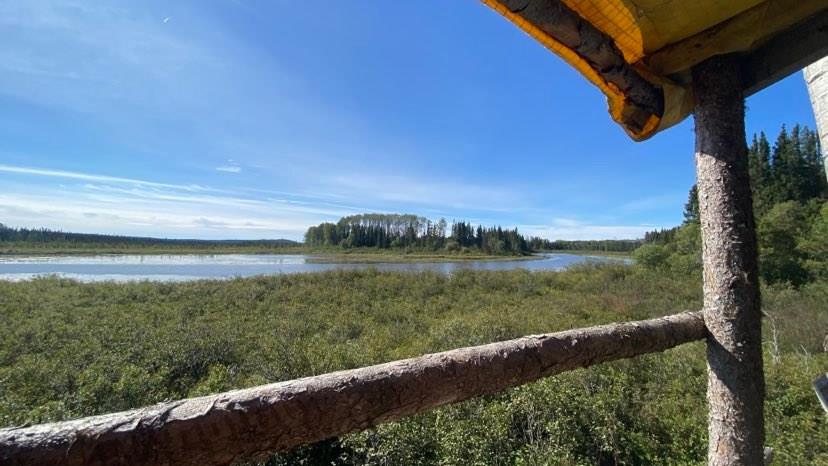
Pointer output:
x,y
223,266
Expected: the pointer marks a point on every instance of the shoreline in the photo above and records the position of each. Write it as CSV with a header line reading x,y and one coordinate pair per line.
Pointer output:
x,y
314,256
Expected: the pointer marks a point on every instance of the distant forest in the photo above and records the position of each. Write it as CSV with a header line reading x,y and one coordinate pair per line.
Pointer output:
x,y
45,238
380,231
386,231
598,245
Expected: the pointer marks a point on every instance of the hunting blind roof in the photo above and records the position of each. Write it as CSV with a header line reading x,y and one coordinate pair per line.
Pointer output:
x,y
640,52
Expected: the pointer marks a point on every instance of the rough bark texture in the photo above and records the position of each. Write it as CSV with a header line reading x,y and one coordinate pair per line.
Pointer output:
x,y
598,49
816,75
736,387
248,424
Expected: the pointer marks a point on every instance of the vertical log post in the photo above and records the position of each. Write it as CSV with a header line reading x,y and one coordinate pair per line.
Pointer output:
x,y
736,386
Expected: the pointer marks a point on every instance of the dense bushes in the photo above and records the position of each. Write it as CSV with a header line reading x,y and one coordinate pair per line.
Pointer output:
x,y
793,245
789,191
69,349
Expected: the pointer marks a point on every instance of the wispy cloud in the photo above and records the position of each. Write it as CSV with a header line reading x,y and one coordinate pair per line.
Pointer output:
x,y
123,215
124,205
94,177
230,167
570,229
129,205
448,194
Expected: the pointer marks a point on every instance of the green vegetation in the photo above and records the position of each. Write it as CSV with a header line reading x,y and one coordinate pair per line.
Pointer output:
x,y
604,246
69,349
790,191
372,237
410,232
44,241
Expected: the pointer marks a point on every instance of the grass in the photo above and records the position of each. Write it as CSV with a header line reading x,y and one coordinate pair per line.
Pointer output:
x,y
69,349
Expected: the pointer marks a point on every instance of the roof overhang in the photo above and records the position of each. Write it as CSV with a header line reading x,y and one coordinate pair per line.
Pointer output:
x,y
640,52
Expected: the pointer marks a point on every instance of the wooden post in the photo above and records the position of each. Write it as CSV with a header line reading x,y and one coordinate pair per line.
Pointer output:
x,y
736,386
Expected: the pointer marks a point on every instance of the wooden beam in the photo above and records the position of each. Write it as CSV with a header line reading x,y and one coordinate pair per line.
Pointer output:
x,y
736,385
738,34
786,53
251,423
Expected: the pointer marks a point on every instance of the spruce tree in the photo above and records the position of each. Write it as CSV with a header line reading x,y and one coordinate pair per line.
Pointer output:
x,y
691,208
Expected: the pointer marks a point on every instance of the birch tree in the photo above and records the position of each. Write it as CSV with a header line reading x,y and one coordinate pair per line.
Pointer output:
x,y
816,75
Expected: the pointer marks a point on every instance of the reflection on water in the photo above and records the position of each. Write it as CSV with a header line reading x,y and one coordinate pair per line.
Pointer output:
x,y
223,266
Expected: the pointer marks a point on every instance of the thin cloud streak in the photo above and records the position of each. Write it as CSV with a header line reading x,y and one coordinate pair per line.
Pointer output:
x,y
424,192
114,204
570,229
99,178
154,219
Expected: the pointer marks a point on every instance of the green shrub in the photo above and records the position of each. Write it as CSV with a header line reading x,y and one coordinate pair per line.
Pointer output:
x,y
70,349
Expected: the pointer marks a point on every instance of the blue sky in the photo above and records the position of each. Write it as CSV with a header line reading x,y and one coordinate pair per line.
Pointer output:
x,y
255,119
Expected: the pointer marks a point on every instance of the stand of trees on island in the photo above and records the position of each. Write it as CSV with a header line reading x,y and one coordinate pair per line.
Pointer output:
x,y
386,231
411,232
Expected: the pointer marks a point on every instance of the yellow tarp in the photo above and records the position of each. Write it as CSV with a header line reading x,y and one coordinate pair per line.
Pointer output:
x,y
663,39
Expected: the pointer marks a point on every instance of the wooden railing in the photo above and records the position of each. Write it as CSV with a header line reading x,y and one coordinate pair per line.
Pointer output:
x,y
249,424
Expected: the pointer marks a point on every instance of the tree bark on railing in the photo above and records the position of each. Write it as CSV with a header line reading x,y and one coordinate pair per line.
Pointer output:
x,y
251,423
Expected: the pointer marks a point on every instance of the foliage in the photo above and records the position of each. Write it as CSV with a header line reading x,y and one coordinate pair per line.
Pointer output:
x,y
69,349
792,171
814,245
691,208
680,253
778,232
789,191
397,231
604,245
42,240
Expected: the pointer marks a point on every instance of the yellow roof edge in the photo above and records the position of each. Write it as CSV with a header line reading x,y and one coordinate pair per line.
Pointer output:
x,y
619,108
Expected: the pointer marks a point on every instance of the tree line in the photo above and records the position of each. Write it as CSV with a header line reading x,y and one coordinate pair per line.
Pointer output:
x,y
389,231
789,188
792,170
606,245
45,236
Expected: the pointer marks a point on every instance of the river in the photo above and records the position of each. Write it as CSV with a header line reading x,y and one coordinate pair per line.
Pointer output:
x,y
223,266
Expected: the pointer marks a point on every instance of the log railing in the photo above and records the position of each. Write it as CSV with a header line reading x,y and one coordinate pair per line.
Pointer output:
x,y
251,423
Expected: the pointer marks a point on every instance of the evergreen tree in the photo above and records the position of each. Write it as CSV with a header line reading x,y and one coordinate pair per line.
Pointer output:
x,y
691,208
759,166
